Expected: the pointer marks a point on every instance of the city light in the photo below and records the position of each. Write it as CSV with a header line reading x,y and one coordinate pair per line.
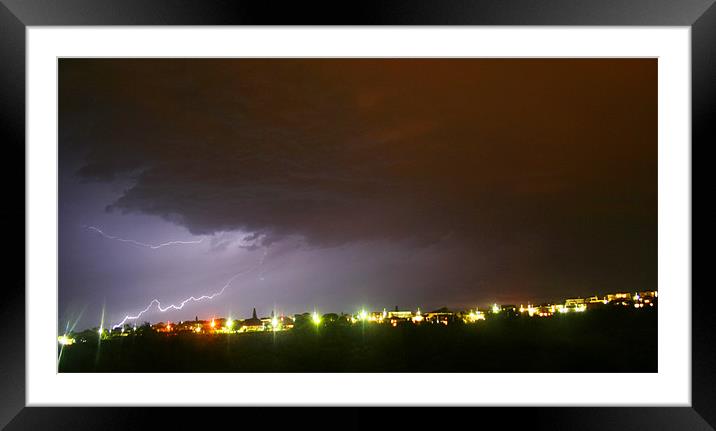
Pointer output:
x,y
363,314
65,340
393,318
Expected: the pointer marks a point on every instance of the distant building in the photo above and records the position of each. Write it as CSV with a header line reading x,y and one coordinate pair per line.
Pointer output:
x,y
617,296
442,315
190,326
595,300
252,324
217,325
163,327
377,316
573,302
645,298
472,316
400,314
649,294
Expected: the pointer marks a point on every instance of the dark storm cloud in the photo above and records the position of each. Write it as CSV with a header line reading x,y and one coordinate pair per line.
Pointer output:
x,y
547,164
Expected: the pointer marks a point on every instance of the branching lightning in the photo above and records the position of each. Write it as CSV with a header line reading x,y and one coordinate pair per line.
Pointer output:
x,y
143,244
191,298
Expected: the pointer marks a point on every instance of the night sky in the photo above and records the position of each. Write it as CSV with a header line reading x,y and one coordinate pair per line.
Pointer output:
x,y
341,183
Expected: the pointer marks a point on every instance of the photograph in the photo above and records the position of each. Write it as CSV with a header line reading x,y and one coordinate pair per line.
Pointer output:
x,y
357,215
233,207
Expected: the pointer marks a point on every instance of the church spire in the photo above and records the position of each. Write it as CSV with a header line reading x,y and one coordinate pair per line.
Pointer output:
x,y
253,316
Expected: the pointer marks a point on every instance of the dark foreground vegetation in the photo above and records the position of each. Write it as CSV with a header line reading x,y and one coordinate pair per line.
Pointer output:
x,y
596,341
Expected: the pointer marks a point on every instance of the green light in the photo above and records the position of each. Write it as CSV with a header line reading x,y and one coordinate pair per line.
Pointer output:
x,y
316,318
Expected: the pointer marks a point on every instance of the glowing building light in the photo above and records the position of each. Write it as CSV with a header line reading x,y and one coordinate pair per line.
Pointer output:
x,y
274,323
495,308
316,318
522,308
212,324
65,340
363,314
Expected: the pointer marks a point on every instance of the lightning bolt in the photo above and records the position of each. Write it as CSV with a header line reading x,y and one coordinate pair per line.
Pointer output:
x,y
191,298
142,244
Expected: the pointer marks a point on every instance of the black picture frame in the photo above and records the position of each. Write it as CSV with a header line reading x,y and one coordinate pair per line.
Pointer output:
x,y
16,15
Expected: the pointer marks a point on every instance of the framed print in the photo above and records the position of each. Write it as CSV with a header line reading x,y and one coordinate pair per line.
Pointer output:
x,y
426,205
